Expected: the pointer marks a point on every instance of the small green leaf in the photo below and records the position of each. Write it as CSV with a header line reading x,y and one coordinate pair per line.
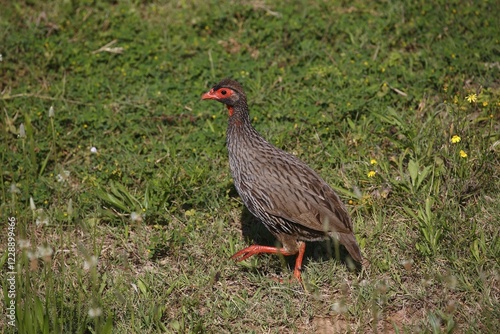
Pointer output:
x,y
413,170
142,287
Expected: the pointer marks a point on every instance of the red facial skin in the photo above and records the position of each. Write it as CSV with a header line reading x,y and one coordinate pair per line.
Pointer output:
x,y
219,94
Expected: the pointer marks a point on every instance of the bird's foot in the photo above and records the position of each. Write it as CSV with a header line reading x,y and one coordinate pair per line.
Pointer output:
x,y
257,249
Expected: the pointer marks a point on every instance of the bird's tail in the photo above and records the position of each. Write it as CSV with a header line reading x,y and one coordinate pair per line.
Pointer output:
x,y
350,243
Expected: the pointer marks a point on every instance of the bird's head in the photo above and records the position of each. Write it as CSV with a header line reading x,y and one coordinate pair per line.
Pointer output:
x,y
228,92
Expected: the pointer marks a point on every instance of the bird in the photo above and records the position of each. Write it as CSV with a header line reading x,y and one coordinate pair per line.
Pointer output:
x,y
293,202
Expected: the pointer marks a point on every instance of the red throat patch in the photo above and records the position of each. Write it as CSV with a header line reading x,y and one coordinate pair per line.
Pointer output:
x,y
230,110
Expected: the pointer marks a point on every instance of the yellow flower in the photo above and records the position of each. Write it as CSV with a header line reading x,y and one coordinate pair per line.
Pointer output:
x,y
463,154
373,162
471,98
371,173
455,139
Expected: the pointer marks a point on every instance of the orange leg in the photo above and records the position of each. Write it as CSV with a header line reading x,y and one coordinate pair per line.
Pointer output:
x,y
298,261
257,249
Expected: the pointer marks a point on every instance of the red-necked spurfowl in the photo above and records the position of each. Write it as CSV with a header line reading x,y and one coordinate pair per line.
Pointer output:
x,y
290,199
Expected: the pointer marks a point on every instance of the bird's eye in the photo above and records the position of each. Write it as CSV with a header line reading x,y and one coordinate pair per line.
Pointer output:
x,y
223,92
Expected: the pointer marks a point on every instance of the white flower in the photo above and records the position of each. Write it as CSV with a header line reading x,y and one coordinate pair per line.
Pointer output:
x,y
31,256
93,150
62,177
51,112
44,251
339,307
135,217
90,262
41,218
22,131
407,264
23,243
14,189
95,312
32,204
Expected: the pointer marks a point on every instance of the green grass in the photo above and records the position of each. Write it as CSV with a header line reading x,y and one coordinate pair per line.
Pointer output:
x,y
136,238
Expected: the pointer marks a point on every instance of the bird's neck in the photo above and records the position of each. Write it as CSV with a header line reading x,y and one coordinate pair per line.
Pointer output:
x,y
239,116
240,132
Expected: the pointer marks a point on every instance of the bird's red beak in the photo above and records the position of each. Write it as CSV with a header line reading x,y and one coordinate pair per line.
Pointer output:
x,y
209,95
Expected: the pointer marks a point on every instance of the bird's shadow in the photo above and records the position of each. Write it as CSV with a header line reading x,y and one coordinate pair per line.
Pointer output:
x,y
254,232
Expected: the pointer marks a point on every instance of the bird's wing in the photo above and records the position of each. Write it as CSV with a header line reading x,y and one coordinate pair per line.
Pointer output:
x,y
292,190
319,209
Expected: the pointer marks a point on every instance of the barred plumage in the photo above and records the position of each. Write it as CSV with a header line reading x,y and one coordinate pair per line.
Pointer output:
x,y
288,197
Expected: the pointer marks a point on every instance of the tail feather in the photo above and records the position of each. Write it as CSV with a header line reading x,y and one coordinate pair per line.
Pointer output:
x,y
350,243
